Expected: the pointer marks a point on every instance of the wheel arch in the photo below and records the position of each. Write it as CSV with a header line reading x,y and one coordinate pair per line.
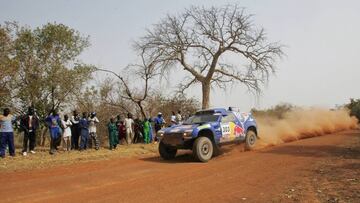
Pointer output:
x,y
253,128
207,133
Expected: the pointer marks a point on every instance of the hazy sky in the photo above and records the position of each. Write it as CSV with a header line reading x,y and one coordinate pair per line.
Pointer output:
x,y
321,66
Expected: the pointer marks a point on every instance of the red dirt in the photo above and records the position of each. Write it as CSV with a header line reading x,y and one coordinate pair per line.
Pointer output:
x,y
267,175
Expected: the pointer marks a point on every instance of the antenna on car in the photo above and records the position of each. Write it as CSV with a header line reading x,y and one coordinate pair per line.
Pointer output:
x,y
232,108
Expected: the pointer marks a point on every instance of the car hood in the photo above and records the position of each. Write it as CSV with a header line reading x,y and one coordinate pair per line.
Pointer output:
x,y
179,129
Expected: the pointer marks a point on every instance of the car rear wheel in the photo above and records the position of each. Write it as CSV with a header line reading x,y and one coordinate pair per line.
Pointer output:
x,y
203,149
167,152
250,140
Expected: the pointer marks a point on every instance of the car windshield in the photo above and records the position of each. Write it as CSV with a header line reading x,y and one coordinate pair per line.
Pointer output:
x,y
199,119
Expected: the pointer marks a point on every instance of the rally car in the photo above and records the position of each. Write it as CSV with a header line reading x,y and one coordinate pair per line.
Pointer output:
x,y
206,131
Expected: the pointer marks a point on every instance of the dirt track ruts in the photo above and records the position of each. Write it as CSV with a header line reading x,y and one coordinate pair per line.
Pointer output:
x,y
256,176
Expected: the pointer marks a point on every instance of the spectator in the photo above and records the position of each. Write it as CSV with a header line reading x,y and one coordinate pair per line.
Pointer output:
x,y
66,123
113,138
29,123
93,120
122,132
75,130
53,122
146,127
138,131
7,133
159,123
84,134
179,117
173,119
150,130
129,126
118,121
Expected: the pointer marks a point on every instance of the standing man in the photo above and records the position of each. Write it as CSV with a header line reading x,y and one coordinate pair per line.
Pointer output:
x,y
93,120
84,126
7,133
53,121
178,117
173,118
129,126
29,123
159,123
66,123
75,130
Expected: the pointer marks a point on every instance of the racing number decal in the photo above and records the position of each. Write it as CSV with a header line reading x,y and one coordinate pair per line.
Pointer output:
x,y
231,131
225,130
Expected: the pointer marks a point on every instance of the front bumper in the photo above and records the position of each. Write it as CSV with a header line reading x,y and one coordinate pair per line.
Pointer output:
x,y
175,139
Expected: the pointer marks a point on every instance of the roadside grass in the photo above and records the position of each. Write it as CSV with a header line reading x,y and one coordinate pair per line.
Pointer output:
x,y
42,158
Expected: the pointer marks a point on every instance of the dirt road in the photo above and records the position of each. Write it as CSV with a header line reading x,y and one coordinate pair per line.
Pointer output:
x,y
297,171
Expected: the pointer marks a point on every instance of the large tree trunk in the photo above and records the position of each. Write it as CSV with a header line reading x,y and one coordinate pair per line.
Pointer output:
x,y
141,109
205,95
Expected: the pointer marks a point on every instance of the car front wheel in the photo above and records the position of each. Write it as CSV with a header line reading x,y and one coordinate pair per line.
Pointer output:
x,y
203,149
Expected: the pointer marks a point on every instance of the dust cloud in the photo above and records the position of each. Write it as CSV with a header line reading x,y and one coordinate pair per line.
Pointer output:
x,y
302,123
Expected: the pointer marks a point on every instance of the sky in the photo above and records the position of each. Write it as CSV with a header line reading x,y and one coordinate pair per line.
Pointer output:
x,y
321,38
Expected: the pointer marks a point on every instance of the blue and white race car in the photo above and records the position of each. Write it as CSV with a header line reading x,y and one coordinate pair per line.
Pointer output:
x,y
206,131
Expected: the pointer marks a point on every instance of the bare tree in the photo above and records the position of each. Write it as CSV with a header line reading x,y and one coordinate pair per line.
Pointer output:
x,y
201,39
146,70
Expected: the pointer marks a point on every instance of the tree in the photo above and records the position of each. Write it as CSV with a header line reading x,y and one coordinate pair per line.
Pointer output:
x,y
354,107
167,104
48,70
7,64
201,39
145,71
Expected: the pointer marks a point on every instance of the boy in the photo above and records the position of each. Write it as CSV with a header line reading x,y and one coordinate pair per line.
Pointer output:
x,y
7,133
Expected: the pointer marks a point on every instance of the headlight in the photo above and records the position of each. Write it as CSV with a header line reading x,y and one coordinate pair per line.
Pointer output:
x,y
187,134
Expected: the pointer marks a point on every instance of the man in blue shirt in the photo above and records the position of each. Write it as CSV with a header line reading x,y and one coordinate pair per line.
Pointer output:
x,y
159,123
84,126
53,121
7,133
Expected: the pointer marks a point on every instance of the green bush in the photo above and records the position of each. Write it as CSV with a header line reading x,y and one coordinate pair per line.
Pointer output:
x,y
354,107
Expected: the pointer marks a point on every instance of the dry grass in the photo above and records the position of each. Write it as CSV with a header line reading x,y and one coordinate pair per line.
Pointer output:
x,y
42,158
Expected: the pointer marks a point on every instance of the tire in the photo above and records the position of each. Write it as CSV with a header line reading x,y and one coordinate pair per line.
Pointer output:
x,y
167,152
250,140
203,149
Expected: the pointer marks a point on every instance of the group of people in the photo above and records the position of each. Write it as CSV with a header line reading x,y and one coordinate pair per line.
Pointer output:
x,y
129,130
79,132
72,130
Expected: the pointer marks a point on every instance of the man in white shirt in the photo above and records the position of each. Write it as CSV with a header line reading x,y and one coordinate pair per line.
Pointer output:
x,y
66,123
173,119
179,117
129,126
93,120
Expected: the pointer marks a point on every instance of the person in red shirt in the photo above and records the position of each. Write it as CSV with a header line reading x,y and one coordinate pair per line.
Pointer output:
x,y
122,132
